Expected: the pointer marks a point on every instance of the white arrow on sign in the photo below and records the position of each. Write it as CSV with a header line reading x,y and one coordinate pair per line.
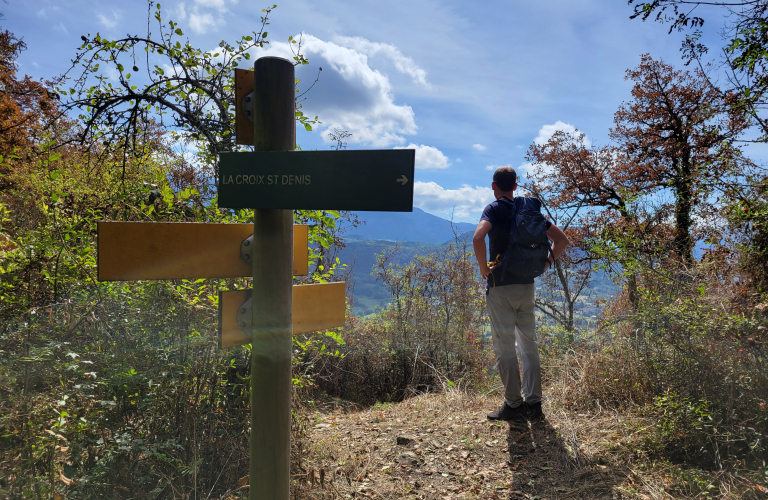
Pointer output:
x,y
403,180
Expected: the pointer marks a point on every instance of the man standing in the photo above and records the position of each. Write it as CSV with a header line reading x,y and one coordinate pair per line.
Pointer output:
x,y
510,299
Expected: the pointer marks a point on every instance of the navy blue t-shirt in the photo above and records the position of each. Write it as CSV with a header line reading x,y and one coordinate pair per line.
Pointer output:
x,y
498,214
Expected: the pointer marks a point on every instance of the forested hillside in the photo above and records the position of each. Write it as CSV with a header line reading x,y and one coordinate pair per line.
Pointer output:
x,y
371,293
653,354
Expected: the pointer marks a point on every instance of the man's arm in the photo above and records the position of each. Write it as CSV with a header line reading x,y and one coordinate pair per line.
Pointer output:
x,y
559,241
478,243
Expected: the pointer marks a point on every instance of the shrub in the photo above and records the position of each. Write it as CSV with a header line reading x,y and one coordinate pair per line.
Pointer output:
x,y
432,334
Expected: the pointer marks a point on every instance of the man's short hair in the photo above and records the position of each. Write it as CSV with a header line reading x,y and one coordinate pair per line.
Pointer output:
x,y
505,178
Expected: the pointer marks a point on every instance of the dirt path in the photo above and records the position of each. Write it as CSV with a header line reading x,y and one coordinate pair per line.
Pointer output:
x,y
443,447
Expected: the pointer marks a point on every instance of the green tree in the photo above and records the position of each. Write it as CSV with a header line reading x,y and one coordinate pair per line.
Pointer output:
x,y
160,77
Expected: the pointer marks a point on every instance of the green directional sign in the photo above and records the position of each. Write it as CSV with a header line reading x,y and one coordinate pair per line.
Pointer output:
x,y
375,180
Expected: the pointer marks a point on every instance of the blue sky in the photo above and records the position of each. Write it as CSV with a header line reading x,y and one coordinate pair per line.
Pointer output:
x,y
470,86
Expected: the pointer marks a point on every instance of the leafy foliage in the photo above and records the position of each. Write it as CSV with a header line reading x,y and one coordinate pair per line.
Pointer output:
x,y
25,105
675,137
748,213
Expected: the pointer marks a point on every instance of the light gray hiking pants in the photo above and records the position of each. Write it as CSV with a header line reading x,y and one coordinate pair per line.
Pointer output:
x,y
512,315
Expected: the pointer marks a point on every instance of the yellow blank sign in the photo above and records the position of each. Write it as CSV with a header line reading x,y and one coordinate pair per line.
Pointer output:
x,y
244,85
315,307
182,250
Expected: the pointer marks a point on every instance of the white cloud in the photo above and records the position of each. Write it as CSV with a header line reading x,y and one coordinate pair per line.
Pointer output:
x,y
547,131
112,73
525,169
428,157
402,63
479,147
109,22
181,11
204,15
462,201
350,95
219,5
458,160
201,23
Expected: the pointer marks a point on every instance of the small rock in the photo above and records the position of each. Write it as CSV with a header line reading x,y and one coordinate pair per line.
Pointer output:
x,y
762,309
322,426
407,458
405,440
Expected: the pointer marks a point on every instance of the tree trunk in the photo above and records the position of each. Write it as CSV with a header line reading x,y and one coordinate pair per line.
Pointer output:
x,y
683,206
634,299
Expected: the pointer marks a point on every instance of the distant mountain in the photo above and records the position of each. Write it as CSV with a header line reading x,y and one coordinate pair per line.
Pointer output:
x,y
406,226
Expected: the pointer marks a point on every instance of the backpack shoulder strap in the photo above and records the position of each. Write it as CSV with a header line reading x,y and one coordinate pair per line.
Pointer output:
x,y
513,208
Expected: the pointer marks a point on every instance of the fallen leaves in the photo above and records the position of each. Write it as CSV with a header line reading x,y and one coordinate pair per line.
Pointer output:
x,y
64,479
468,459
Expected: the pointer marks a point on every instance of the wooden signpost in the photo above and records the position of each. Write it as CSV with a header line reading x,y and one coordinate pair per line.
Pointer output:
x,y
273,180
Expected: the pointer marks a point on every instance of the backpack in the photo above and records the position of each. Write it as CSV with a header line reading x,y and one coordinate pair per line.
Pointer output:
x,y
529,248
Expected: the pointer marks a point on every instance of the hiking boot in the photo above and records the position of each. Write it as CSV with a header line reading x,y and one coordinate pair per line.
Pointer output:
x,y
506,412
533,411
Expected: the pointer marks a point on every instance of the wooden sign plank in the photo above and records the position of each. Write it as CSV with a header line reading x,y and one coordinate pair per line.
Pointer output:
x,y
243,124
315,307
377,180
178,250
